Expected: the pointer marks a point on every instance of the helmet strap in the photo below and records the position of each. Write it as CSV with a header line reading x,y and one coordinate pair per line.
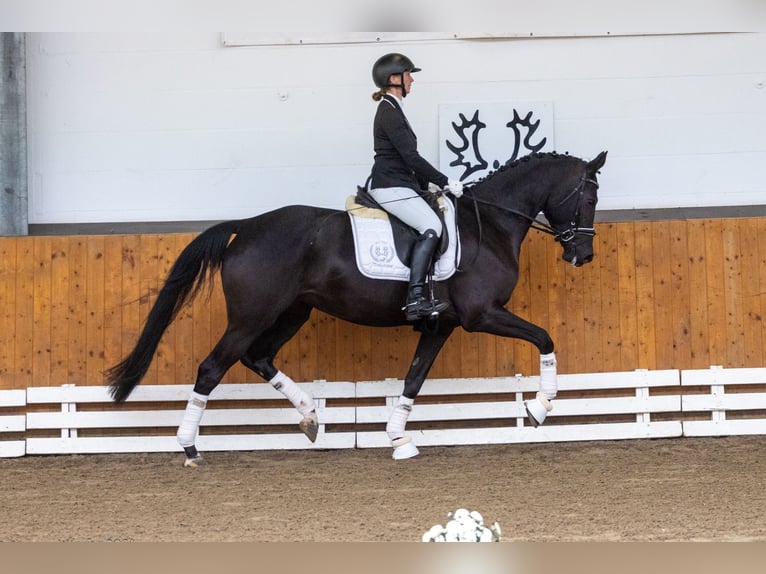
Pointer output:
x,y
401,79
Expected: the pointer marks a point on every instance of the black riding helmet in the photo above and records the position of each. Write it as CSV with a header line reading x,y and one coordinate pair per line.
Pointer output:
x,y
393,63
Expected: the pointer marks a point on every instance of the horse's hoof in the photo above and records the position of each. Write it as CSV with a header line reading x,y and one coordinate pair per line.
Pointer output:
x,y
403,448
194,462
310,426
538,409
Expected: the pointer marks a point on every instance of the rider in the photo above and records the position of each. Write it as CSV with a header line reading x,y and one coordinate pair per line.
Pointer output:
x,y
400,177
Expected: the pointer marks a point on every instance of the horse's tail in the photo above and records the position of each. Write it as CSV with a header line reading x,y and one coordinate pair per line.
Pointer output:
x,y
194,267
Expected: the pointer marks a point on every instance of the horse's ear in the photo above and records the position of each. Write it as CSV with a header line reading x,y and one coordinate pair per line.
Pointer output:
x,y
597,163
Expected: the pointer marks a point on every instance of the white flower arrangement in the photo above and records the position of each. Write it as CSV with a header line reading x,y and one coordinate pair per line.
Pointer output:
x,y
463,526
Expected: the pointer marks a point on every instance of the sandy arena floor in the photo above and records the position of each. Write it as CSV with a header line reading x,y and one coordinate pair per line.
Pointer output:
x,y
645,490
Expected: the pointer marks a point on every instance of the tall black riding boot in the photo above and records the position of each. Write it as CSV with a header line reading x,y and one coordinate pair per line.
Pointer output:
x,y
419,306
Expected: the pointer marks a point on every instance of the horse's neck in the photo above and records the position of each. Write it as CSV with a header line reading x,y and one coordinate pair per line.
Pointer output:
x,y
514,194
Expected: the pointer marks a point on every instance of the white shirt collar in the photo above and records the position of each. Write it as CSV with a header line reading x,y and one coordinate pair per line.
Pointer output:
x,y
399,101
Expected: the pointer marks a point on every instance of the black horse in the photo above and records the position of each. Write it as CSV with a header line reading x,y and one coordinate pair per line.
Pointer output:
x,y
282,264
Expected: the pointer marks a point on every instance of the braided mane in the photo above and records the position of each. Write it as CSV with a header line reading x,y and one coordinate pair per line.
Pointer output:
x,y
521,160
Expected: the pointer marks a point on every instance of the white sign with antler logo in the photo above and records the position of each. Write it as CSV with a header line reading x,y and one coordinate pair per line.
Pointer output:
x,y
476,138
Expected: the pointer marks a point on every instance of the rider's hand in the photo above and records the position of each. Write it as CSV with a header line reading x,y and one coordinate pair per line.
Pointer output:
x,y
455,187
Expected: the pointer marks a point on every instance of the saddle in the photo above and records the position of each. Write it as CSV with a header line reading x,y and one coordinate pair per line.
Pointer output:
x,y
364,205
383,243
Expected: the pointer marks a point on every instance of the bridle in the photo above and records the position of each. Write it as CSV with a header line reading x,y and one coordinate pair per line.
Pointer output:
x,y
573,229
562,236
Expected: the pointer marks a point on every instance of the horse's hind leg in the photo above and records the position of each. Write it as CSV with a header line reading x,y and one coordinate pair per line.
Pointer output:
x,y
260,359
228,351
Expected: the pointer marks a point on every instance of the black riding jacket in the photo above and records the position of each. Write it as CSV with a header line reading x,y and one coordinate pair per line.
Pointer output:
x,y
397,161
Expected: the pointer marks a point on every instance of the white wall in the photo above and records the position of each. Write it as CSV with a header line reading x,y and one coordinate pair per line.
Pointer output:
x,y
178,126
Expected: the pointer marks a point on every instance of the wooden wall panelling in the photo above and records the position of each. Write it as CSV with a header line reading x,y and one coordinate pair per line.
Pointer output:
x,y
380,349
761,285
113,302
76,323
94,310
361,348
733,295
8,314
60,314
450,358
644,291
575,279
663,328
698,295
41,321
327,348
309,346
749,263
677,294
716,291
628,314
609,294
343,352
679,300
24,325
592,320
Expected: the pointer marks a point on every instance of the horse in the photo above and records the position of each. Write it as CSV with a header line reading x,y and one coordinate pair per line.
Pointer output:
x,y
282,264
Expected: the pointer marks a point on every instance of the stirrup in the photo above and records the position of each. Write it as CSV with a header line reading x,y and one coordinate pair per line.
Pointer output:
x,y
422,308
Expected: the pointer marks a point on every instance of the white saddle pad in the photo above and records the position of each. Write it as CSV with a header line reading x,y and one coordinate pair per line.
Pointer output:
x,y
374,246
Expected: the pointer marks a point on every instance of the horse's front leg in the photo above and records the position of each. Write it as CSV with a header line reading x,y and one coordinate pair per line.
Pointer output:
x,y
428,348
501,322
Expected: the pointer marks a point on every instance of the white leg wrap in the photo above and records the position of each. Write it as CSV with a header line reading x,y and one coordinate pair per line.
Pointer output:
x,y
187,432
548,381
398,420
300,399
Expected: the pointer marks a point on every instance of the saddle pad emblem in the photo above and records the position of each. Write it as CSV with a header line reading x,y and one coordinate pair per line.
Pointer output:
x,y
382,252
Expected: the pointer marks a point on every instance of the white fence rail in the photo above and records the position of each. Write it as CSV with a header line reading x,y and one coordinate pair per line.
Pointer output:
x,y
12,423
732,401
561,425
94,430
599,406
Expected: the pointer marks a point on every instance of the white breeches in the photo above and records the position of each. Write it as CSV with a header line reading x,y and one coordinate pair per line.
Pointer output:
x,y
408,206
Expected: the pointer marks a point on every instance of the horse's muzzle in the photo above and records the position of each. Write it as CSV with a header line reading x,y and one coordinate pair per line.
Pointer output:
x,y
578,253
580,261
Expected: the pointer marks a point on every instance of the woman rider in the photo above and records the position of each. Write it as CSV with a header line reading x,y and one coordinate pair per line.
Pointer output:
x,y
400,175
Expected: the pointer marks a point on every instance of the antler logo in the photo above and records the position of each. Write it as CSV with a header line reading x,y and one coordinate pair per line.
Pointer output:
x,y
523,130
489,133
468,154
